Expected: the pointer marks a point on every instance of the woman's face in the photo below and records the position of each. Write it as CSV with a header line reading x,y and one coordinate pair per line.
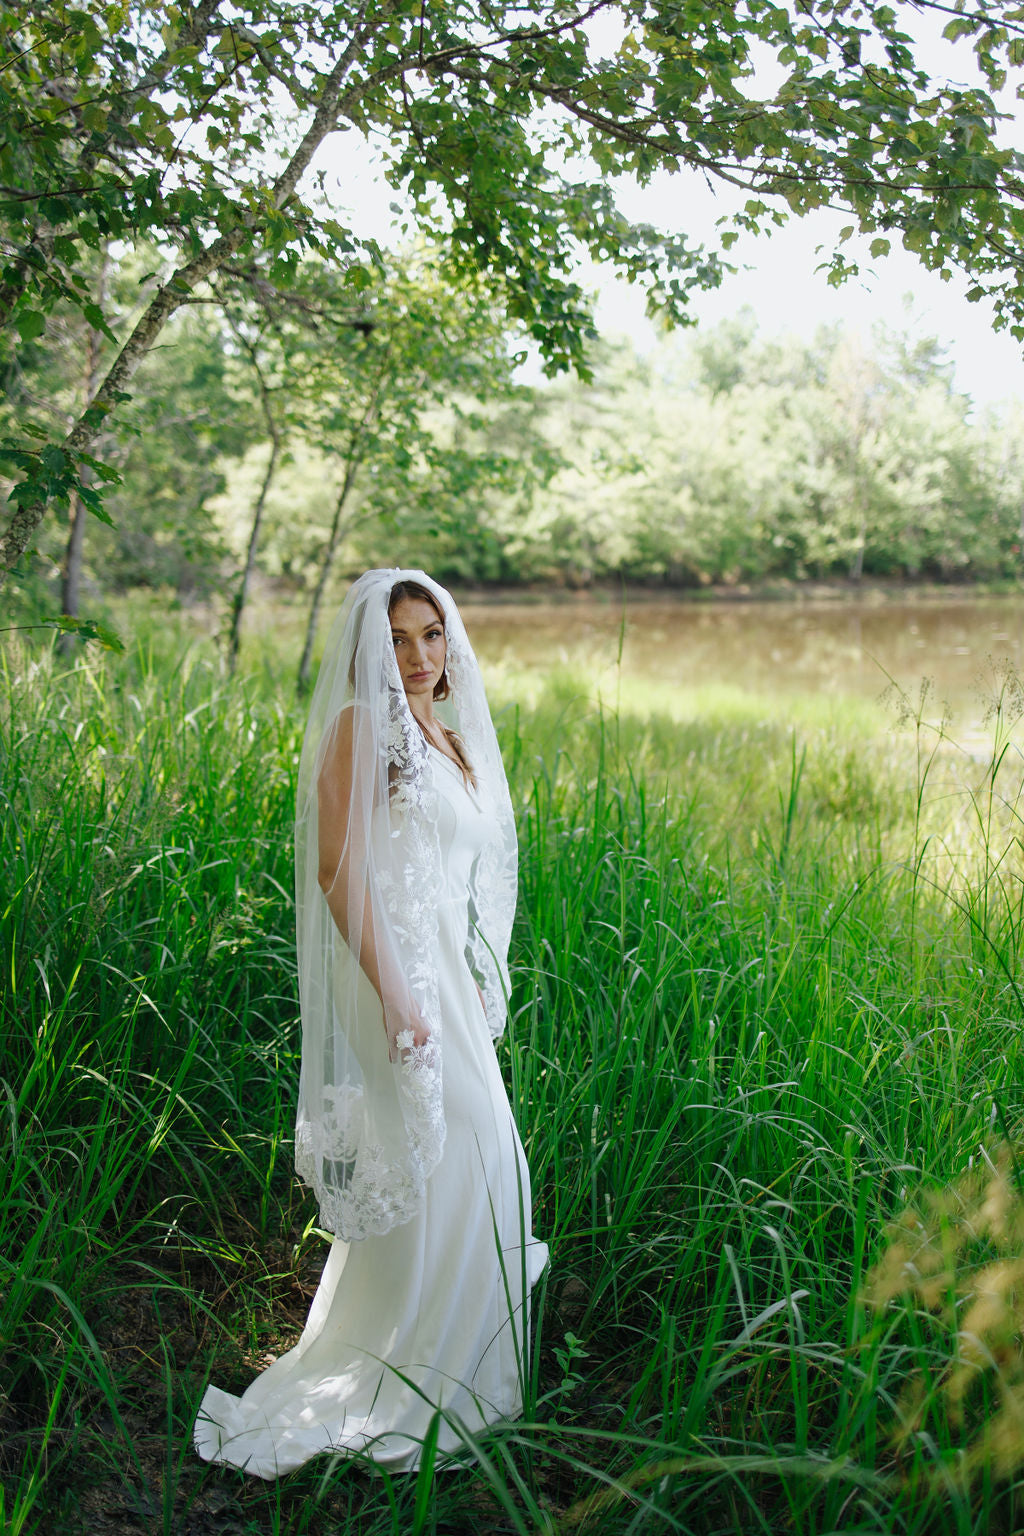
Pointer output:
x,y
420,647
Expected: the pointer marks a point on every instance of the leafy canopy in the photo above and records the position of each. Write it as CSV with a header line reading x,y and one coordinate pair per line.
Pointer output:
x,y
202,127
503,124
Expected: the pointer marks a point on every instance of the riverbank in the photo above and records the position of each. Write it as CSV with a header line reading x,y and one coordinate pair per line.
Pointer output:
x,y
636,593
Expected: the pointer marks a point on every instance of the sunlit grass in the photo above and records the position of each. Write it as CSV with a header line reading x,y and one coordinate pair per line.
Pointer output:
x,y
765,985
632,696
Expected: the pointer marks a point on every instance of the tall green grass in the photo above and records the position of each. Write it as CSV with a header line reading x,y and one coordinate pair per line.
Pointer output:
x,y
766,983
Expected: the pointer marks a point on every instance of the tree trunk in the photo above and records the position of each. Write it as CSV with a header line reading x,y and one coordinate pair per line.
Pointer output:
x,y
353,459
334,539
169,298
242,595
857,565
71,575
274,433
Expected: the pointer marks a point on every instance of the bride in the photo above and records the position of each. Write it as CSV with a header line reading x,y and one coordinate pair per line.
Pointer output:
x,y
405,890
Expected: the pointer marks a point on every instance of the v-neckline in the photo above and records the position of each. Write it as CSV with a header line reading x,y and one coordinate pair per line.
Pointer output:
x,y
470,789
445,758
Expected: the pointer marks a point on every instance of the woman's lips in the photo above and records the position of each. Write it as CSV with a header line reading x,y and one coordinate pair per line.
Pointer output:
x,y
418,677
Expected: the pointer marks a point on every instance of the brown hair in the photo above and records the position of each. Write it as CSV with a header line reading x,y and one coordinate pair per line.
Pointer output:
x,y
442,688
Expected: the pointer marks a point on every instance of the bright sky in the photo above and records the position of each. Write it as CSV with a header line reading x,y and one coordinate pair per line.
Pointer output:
x,y
777,277
779,282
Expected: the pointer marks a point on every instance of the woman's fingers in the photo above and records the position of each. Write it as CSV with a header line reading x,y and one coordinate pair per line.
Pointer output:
x,y
407,1036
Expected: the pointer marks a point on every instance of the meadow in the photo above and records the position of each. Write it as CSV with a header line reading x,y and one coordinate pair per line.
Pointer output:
x,y
765,1053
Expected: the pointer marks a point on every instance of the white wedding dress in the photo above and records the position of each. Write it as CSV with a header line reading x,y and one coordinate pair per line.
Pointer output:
x,y
433,1313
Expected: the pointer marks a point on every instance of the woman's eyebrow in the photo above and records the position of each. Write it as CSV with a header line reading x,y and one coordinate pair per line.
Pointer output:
x,y
434,624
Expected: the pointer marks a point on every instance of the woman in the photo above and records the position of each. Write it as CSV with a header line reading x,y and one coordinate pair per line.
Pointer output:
x,y
405,891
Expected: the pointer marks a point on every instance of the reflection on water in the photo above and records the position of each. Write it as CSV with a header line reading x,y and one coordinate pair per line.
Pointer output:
x,y
838,647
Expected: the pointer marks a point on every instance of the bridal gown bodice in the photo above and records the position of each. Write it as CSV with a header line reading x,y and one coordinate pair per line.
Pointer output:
x,y
462,817
434,1313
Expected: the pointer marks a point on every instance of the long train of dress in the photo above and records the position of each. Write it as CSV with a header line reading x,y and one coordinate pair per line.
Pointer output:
x,y
433,1313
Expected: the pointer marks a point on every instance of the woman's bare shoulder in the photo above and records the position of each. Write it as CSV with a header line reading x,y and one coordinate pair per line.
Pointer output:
x,y
347,737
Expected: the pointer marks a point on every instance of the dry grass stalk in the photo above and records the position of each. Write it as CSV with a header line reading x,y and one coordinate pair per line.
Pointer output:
x,y
957,1254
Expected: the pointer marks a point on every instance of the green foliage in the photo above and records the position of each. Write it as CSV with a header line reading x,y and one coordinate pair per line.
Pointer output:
x,y
403,413
88,629
736,459
413,406
197,129
187,420
760,986
163,456
99,104
725,457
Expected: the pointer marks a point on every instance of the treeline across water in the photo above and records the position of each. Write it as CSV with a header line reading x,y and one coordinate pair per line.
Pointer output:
x,y
726,456
280,445
729,456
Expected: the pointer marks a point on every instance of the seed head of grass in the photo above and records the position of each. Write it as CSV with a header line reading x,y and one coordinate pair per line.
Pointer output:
x,y
955,1261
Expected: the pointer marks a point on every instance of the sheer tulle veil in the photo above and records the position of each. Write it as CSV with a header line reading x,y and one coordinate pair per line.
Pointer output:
x,y
370,1127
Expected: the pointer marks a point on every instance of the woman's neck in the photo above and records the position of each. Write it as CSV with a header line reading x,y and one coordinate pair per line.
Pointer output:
x,y
423,712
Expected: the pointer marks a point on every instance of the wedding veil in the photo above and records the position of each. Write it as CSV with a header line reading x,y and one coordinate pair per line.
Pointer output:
x,y
370,1126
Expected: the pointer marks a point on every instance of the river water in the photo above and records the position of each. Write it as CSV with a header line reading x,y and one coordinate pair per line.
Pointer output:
x,y
834,647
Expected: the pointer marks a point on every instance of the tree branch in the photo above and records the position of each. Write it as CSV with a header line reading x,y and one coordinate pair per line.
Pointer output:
x,y
170,296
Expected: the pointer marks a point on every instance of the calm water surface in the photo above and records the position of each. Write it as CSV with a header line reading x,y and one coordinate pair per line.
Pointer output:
x,y
809,647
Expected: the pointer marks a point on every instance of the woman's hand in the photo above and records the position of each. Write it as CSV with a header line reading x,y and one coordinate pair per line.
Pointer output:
x,y
405,1031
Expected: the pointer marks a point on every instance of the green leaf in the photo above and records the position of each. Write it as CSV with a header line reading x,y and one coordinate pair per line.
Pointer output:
x,y
93,502
96,318
31,324
87,629
425,1483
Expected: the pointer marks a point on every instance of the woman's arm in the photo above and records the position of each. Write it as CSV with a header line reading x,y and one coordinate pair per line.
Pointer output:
x,y
343,848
